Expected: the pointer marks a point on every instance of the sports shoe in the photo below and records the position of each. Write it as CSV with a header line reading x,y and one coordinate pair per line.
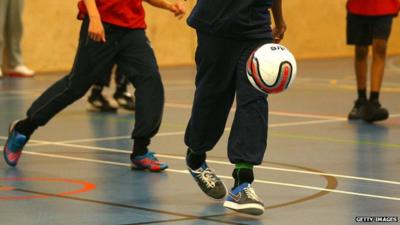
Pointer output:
x,y
21,71
14,145
99,103
356,112
209,182
243,199
373,112
148,161
125,100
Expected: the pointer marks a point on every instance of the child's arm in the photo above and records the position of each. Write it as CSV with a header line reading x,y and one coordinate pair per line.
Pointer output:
x,y
177,8
280,25
96,29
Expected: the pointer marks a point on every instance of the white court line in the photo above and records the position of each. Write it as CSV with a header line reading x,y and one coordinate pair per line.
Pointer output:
x,y
225,163
222,176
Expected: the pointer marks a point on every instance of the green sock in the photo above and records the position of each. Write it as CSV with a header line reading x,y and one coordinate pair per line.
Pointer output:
x,y
244,166
243,173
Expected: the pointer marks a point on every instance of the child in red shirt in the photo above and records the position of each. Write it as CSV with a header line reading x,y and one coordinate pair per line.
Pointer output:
x,y
112,32
369,23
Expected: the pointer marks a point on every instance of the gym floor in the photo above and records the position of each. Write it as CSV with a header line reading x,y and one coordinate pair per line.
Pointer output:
x,y
319,168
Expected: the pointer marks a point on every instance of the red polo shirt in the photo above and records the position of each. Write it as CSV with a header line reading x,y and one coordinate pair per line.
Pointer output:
x,y
123,13
373,7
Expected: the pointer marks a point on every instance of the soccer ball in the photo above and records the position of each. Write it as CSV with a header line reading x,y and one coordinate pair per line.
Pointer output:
x,y
271,68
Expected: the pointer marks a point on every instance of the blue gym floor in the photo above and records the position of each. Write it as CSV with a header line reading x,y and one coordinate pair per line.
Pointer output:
x,y
319,167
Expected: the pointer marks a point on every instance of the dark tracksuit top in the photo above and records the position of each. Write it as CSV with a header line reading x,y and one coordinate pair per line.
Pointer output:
x,y
228,31
248,19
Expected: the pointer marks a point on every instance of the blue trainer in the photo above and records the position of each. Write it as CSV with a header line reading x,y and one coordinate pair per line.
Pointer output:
x,y
243,199
14,145
148,161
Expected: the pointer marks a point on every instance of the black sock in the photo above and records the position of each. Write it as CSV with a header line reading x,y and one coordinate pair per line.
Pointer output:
x,y
194,160
140,147
242,175
362,94
374,96
26,127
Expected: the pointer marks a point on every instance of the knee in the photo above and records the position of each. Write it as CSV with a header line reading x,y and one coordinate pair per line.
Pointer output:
x,y
380,49
361,53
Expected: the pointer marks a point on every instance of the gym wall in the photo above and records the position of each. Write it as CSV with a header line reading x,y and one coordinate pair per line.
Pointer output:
x,y
316,29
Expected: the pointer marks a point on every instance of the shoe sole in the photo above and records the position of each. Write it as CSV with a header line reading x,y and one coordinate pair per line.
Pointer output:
x,y
134,167
371,120
125,106
10,128
250,209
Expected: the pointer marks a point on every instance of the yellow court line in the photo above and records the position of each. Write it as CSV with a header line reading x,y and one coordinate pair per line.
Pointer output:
x,y
276,113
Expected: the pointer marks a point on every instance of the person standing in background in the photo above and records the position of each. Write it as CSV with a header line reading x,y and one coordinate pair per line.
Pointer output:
x,y
124,99
11,29
369,22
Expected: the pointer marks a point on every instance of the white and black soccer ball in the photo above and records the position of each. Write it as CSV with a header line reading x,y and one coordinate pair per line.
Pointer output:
x,y
271,68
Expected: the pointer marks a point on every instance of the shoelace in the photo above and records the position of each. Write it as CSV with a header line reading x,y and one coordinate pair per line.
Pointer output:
x,y
250,193
208,177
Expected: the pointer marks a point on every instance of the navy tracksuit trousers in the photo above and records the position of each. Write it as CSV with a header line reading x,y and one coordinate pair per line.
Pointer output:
x,y
221,73
127,48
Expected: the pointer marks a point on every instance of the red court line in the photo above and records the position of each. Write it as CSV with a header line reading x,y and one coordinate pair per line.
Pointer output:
x,y
6,188
86,187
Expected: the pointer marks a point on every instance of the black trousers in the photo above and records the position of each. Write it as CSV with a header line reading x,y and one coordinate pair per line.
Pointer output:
x,y
131,51
221,72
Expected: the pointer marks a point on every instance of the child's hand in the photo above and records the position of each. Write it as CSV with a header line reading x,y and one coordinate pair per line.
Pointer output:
x,y
96,30
278,32
179,9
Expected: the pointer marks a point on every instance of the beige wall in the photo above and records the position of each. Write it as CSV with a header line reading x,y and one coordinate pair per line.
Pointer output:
x,y
315,29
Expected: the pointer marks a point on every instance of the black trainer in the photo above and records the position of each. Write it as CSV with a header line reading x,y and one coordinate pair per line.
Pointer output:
x,y
244,199
356,112
209,182
125,100
99,103
373,111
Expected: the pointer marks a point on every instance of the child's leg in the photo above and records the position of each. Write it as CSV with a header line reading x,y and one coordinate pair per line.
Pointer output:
x,y
91,59
378,65
361,68
216,60
247,140
381,28
137,61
